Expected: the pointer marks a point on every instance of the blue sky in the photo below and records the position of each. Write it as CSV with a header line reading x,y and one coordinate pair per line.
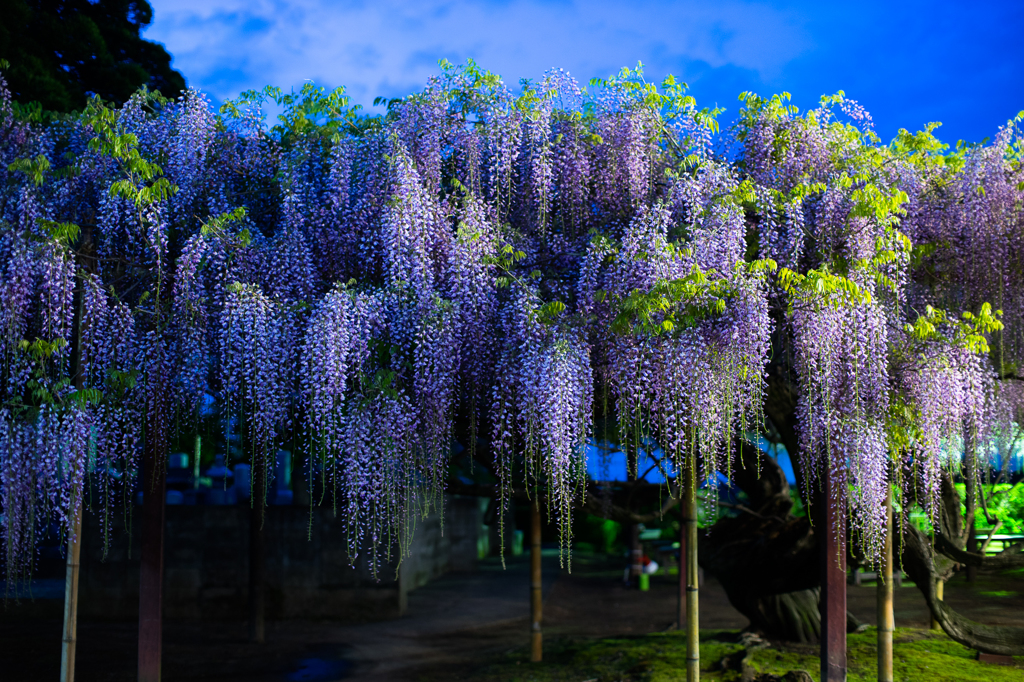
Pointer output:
x,y
606,463
909,62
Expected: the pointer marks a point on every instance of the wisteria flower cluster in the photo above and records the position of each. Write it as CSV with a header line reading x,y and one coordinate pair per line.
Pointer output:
x,y
491,271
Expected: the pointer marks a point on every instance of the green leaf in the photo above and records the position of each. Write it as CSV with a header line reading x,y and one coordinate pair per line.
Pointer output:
x,y
35,169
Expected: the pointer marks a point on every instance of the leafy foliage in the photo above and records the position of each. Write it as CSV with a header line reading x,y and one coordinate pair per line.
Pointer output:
x,y
502,269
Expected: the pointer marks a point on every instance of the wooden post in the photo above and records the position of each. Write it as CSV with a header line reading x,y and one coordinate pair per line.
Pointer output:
x,y
832,531
940,584
70,640
692,578
536,593
257,551
151,578
154,496
886,620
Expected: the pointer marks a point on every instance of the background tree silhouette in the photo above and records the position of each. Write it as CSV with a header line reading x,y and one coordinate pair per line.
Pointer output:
x,y
61,53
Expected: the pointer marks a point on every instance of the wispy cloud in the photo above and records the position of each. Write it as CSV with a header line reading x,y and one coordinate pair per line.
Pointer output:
x,y
390,48
909,62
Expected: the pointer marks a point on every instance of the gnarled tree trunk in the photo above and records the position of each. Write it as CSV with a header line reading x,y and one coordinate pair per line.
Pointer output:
x,y
765,558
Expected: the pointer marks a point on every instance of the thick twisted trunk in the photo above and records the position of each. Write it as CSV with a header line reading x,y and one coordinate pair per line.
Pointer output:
x,y
766,559
791,616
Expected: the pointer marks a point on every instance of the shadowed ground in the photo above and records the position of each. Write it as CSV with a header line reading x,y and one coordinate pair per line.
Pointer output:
x,y
453,626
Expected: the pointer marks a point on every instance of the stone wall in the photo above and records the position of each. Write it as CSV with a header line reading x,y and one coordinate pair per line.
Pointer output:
x,y
308,575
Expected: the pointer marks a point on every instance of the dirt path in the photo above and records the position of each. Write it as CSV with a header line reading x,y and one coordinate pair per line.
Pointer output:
x,y
461,620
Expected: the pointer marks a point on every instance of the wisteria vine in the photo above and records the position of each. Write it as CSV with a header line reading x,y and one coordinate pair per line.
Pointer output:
x,y
473,269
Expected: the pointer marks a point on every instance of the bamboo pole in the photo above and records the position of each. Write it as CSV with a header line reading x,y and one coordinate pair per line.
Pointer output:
x,y
971,494
681,618
884,587
196,462
70,639
536,594
940,584
692,613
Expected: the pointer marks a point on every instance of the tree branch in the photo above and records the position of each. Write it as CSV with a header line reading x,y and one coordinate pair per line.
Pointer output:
x,y
1011,557
919,565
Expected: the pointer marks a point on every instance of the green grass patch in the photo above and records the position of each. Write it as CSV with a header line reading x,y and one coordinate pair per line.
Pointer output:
x,y
919,655
660,656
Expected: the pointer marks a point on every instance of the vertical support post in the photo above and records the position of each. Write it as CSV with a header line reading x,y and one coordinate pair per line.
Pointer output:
x,y
636,556
940,584
536,593
681,620
257,551
692,578
833,587
886,620
151,578
195,463
154,497
70,639
971,493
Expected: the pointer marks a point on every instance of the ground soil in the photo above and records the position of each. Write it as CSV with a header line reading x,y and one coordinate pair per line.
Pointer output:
x,y
453,625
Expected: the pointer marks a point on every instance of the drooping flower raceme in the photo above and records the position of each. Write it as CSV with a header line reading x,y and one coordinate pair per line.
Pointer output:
x,y
364,287
840,350
543,407
255,381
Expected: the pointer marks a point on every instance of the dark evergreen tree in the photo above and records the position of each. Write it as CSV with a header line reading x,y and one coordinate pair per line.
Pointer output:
x,y
62,53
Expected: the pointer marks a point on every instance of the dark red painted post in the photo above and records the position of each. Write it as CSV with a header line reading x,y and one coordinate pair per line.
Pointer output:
x,y
832,527
536,585
151,578
257,551
154,494
636,564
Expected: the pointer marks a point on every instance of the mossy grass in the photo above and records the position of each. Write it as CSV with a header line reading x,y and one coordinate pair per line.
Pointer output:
x,y
919,655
